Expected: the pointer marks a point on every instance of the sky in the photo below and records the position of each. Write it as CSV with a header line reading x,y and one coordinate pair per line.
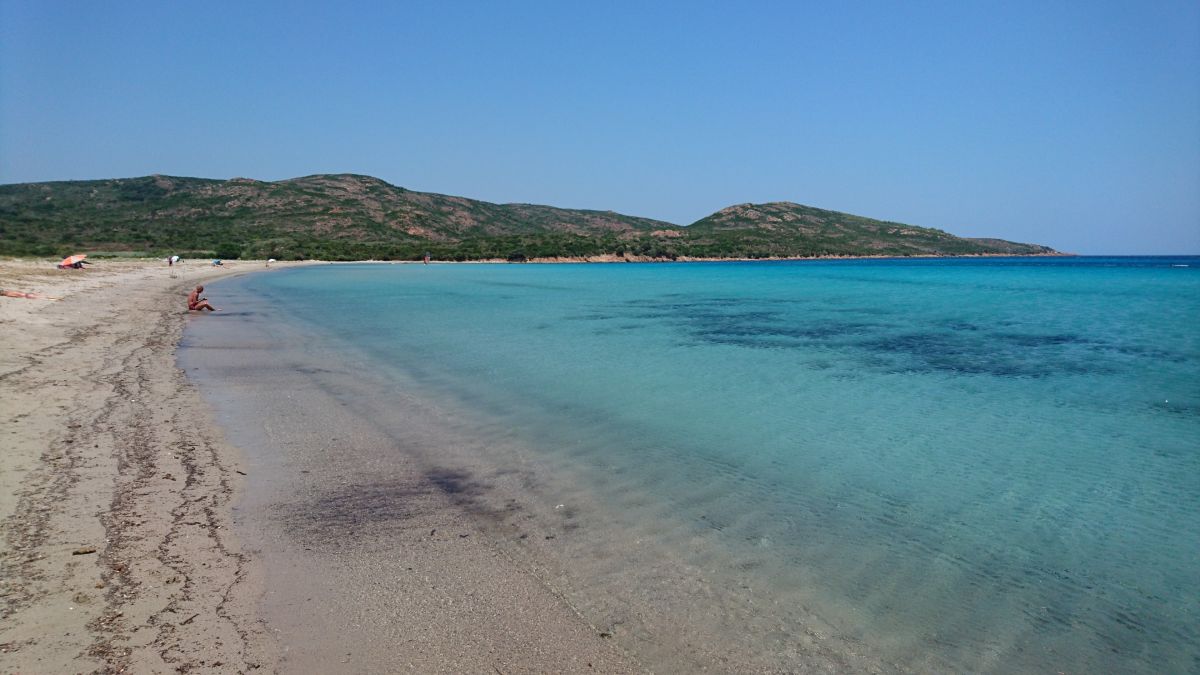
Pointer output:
x,y
1070,124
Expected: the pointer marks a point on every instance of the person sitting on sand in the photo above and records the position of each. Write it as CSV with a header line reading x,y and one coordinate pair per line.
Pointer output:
x,y
197,303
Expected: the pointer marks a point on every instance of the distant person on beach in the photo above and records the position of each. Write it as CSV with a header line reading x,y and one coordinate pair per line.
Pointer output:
x,y
197,303
28,296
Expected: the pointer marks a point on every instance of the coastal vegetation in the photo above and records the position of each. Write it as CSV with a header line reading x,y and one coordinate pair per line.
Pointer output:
x,y
354,217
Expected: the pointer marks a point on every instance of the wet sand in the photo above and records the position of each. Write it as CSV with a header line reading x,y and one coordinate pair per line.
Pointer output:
x,y
404,531
377,560
122,550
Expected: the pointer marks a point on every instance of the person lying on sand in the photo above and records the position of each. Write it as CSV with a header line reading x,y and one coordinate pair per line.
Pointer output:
x,y
28,296
197,303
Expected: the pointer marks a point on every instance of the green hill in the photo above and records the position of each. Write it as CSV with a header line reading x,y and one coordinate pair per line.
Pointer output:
x,y
352,217
784,229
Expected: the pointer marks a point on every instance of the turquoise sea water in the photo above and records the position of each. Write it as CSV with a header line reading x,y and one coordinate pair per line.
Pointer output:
x,y
971,465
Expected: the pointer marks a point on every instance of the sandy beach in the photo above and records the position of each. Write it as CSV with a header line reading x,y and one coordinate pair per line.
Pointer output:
x,y
120,552
115,490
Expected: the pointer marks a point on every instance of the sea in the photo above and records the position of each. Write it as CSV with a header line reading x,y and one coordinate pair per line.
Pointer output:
x,y
921,465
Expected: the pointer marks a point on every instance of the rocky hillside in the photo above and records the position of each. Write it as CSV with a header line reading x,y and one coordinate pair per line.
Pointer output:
x,y
785,229
347,217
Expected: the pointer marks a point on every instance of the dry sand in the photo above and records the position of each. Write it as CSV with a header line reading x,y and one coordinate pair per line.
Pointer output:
x,y
115,491
119,551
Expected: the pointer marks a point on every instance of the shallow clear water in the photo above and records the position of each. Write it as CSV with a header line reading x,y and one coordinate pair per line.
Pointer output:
x,y
985,464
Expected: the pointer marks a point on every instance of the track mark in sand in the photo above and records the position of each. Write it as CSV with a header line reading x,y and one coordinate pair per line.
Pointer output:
x,y
167,564
29,527
43,492
159,439
135,463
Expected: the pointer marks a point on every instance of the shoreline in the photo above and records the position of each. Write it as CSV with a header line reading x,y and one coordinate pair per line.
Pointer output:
x,y
433,502
117,552
122,550
205,533
612,258
381,551
608,258
486,445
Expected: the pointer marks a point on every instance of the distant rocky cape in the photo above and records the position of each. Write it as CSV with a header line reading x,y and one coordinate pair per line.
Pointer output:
x,y
353,217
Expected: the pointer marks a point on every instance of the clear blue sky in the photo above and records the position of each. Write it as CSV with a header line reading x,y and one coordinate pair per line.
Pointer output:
x,y
1073,124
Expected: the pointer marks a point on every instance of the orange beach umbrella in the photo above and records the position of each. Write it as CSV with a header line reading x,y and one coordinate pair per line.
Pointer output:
x,y
72,259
